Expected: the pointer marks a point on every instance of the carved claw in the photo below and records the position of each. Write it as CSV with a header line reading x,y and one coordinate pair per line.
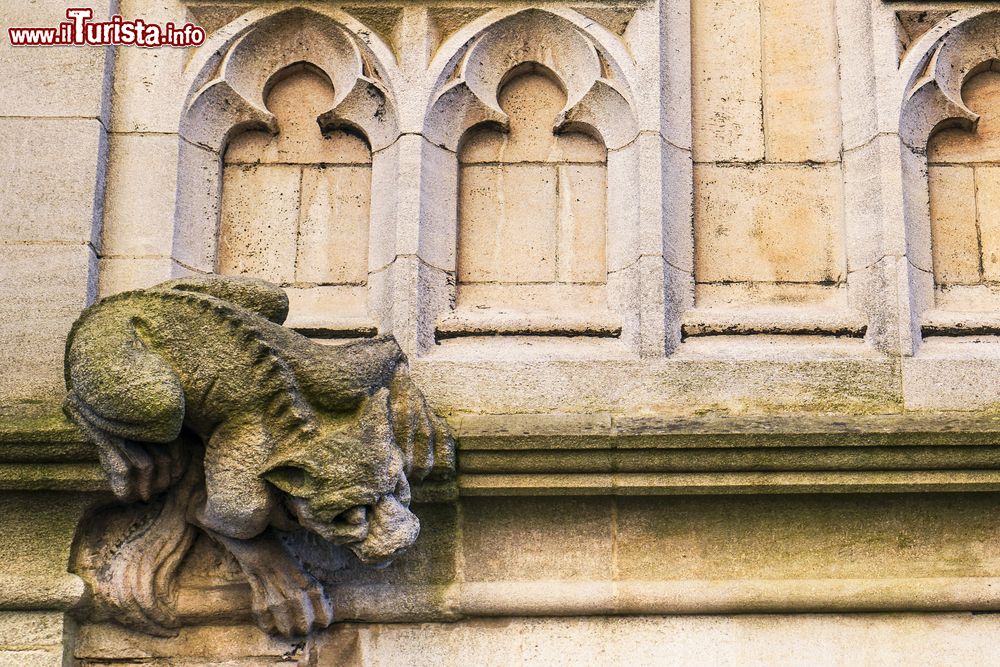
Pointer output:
x,y
290,602
423,436
287,600
136,471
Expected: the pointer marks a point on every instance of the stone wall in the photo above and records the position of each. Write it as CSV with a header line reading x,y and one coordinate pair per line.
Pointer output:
x,y
707,289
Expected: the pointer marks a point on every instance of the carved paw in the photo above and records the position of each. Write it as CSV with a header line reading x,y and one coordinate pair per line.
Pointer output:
x,y
290,602
423,436
135,470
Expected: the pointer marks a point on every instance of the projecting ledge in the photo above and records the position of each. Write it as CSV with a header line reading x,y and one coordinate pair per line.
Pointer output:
x,y
734,483
627,597
512,455
604,454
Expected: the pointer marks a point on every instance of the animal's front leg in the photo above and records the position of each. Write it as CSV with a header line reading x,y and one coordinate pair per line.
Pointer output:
x,y
286,599
424,438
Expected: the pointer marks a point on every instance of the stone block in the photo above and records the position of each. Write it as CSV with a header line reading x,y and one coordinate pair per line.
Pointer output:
x,y
952,374
140,201
259,221
801,85
726,81
769,223
53,188
906,229
792,374
387,196
988,220
120,274
507,229
582,224
204,644
328,304
518,539
653,286
333,225
764,297
729,640
678,200
20,629
834,536
44,289
196,224
954,234
32,658
52,81
673,95
857,74
414,203
545,297
438,206
648,189
157,104
623,207
983,299
36,552
864,170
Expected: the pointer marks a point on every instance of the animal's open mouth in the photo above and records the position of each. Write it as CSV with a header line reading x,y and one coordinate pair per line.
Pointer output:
x,y
376,534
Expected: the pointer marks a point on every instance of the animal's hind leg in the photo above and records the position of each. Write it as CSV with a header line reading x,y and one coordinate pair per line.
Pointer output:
x,y
135,470
123,387
128,401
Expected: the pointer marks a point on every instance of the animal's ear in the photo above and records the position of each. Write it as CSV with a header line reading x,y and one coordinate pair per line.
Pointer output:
x,y
291,479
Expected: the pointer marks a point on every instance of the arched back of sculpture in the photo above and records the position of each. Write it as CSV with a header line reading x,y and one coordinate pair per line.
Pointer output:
x,y
296,204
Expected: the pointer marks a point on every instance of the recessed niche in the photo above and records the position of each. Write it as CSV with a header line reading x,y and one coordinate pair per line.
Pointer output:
x,y
296,205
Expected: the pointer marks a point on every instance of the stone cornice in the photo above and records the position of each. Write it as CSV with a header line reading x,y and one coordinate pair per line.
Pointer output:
x,y
602,454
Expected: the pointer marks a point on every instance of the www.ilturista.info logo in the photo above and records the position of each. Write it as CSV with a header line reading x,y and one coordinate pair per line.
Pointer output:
x,y
79,30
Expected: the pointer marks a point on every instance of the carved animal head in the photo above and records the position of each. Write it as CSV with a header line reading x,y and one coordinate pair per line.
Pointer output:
x,y
348,483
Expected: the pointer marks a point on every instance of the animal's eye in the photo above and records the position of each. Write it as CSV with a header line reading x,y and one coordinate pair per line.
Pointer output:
x,y
355,516
288,478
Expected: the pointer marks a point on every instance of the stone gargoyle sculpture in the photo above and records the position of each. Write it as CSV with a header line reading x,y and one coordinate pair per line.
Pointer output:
x,y
210,416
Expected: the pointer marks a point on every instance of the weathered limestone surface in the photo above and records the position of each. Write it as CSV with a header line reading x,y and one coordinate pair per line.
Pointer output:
x,y
822,639
767,142
282,433
53,122
707,289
